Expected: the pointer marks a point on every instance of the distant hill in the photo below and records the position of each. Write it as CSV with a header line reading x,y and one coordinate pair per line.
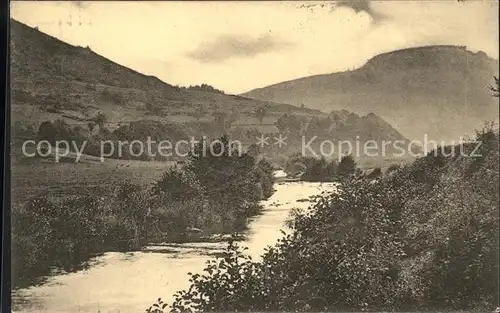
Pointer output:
x,y
441,91
51,80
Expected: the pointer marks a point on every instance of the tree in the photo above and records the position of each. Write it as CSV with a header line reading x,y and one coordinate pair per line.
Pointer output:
x,y
91,126
288,122
232,118
205,88
57,130
231,181
265,175
220,119
261,112
253,150
318,125
316,171
100,119
178,185
46,131
281,123
347,166
331,169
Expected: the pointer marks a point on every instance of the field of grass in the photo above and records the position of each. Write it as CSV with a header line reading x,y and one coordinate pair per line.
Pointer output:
x,y
36,177
383,162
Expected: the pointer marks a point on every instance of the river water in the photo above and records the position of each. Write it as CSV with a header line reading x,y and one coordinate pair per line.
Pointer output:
x,y
131,282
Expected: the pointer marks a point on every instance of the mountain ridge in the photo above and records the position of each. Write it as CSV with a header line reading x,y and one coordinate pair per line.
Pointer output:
x,y
434,82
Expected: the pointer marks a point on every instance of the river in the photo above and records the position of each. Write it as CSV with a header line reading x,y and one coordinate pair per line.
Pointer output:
x,y
131,282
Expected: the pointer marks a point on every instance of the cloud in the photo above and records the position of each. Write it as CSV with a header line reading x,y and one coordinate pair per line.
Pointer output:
x,y
360,6
230,46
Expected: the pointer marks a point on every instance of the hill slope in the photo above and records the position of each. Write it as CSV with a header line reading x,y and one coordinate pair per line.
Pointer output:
x,y
51,78
436,90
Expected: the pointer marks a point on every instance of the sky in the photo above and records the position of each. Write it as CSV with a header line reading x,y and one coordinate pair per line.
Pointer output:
x,y
239,46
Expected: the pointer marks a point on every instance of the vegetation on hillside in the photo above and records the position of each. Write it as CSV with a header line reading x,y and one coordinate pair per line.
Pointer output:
x,y
203,87
342,128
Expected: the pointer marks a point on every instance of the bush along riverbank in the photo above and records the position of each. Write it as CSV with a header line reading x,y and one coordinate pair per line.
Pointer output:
x,y
423,237
320,170
215,192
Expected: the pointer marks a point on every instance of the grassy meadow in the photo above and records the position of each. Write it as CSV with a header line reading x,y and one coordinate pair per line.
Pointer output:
x,y
36,177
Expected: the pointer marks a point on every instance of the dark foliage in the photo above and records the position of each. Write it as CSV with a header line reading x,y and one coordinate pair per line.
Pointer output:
x,y
347,167
425,237
203,87
59,130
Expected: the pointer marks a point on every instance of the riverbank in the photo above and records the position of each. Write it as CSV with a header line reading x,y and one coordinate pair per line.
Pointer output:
x,y
213,193
130,282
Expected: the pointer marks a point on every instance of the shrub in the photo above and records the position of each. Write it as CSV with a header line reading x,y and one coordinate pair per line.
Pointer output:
x,y
393,168
265,174
178,185
312,169
215,291
66,234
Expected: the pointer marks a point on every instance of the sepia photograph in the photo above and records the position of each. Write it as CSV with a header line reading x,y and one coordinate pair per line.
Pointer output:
x,y
254,156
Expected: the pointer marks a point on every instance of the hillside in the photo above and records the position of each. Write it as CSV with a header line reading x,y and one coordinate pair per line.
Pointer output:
x,y
53,80
441,91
